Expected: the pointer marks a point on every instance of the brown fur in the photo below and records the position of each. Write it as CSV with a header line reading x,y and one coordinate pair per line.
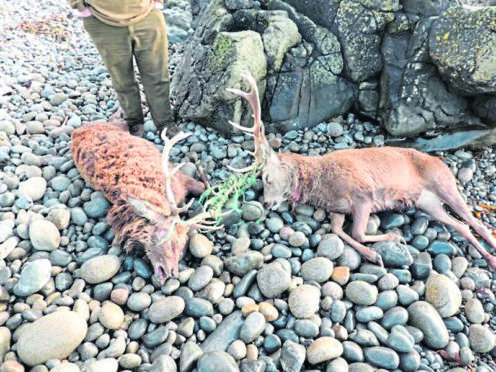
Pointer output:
x,y
122,165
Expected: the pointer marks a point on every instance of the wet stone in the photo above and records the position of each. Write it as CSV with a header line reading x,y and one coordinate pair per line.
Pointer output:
x,y
100,269
443,294
361,293
324,349
393,254
382,357
198,307
425,317
166,309
215,361
482,339
439,246
34,276
273,280
474,311
292,356
304,301
252,327
317,269
331,247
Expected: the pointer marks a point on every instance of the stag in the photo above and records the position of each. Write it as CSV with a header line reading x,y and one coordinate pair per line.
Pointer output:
x,y
145,191
359,182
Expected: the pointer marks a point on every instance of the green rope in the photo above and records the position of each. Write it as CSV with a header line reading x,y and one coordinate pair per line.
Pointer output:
x,y
215,198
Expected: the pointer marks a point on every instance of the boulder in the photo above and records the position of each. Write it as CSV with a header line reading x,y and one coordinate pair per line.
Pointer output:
x,y
462,44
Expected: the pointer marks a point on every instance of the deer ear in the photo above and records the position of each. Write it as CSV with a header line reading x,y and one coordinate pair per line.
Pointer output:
x,y
142,208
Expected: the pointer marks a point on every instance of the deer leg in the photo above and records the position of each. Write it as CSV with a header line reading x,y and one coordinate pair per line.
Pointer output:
x,y
456,202
431,204
361,214
337,221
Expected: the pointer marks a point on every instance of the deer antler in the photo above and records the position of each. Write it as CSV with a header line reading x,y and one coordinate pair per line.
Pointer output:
x,y
168,144
199,221
262,147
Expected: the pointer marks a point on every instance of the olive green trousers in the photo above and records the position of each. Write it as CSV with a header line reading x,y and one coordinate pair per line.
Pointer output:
x,y
146,42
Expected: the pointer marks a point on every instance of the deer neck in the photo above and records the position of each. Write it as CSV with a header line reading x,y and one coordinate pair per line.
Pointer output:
x,y
304,172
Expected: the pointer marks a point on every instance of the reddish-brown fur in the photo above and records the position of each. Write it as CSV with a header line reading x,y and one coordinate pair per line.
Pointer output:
x,y
362,181
122,165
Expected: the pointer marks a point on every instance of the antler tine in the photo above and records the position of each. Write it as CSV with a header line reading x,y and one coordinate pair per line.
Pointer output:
x,y
262,147
168,144
241,170
241,128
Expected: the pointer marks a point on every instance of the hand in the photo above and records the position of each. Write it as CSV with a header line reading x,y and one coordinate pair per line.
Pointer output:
x,y
85,13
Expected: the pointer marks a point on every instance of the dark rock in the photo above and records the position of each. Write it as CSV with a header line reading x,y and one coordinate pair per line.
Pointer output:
x,y
462,45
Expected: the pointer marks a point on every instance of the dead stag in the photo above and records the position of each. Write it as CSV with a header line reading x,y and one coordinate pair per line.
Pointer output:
x,y
144,188
359,182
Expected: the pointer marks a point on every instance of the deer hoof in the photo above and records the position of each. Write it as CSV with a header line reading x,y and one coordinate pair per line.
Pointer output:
x,y
491,261
378,260
396,238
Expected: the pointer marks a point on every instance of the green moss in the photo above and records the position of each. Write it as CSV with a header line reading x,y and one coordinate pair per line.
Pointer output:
x,y
222,50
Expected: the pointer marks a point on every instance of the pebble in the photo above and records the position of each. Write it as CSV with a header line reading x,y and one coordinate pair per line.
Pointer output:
x,y
474,311
393,254
273,280
139,301
107,364
215,361
34,187
96,207
44,235
443,294
361,293
304,301
426,318
331,246
252,327
243,263
252,211
164,363
100,269
317,269
292,356
200,246
53,336
166,309
201,277
382,357
482,339
34,276
324,349
111,316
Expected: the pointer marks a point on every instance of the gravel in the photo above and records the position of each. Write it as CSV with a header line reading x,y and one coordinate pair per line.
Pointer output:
x,y
275,290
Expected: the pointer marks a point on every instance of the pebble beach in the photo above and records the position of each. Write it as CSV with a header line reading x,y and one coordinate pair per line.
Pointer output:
x,y
273,291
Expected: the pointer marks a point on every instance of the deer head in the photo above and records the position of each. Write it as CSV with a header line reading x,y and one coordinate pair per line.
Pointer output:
x,y
166,235
276,176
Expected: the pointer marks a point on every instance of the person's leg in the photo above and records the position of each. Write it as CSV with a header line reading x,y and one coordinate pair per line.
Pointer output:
x,y
150,50
115,48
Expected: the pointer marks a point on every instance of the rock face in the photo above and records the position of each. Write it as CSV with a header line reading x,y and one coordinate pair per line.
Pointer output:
x,y
462,44
53,336
412,65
